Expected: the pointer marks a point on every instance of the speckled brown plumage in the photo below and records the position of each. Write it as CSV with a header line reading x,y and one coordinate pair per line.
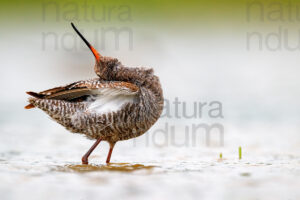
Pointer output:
x,y
71,105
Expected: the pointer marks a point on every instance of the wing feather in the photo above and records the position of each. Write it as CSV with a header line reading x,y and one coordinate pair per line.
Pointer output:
x,y
98,91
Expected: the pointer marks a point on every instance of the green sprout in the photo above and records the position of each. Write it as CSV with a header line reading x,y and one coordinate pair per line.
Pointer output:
x,y
240,153
221,155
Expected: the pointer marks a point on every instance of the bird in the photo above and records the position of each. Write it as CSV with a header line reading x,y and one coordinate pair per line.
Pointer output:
x,y
119,104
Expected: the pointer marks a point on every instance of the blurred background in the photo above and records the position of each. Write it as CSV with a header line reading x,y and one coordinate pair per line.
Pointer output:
x,y
230,76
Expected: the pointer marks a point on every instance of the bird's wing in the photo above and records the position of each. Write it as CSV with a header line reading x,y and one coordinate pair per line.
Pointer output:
x,y
94,91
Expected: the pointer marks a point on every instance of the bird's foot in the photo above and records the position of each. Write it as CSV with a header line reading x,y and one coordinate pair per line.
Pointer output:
x,y
84,161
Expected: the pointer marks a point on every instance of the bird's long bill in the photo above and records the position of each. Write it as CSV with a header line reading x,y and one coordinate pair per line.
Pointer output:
x,y
94,51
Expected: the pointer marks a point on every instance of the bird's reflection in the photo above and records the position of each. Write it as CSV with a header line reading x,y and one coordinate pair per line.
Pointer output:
x,y
118,167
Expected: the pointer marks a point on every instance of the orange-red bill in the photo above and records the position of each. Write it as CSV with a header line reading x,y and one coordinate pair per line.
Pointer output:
x,y
95,52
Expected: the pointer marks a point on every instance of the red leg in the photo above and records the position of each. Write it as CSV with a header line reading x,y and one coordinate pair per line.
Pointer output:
x,y
111,147
86,156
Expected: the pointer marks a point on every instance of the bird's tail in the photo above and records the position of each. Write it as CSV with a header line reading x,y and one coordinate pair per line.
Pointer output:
x,y
34,94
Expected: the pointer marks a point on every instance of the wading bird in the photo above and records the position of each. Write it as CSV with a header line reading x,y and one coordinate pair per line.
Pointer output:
x,y
120,104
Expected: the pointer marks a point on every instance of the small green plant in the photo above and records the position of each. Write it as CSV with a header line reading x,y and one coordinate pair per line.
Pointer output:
x,y
221,155
240,153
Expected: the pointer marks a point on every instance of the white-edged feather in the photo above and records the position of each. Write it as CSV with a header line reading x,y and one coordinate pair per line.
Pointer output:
x,y
107,100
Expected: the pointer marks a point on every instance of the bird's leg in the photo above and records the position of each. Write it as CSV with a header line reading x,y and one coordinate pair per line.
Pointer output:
x,y
88,153
111,147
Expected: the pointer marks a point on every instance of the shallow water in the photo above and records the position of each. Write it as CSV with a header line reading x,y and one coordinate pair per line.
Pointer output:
x,y
48,166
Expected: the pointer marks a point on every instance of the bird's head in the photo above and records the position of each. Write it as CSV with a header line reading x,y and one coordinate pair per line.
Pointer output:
x,y
108,68
104,65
